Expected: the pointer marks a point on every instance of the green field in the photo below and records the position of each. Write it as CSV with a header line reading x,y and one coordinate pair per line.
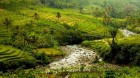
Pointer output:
x,y
51,51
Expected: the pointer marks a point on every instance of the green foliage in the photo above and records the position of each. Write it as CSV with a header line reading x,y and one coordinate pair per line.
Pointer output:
x,y
109,74
124,52
7,22
65,3
27,34
102,47
72,35
82,68
12,58
36,16
42,58
25,74
58,15
128,53
113,32
124,72
25,63
113,44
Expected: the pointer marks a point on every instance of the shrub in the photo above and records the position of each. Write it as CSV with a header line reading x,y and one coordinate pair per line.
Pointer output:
x,y
42,57
128,53
102,48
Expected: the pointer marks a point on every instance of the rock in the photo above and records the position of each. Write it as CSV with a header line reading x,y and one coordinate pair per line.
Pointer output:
x,y
127,33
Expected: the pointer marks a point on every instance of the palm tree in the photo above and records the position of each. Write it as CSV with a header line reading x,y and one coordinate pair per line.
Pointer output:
x,y
113,33
36,16
7,22
58,15
113,45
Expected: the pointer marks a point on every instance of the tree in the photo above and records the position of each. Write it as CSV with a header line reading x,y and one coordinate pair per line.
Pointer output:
x,y
130,13
7,22
81,10
104,4
130,9
107,19
113,33
36,16
43,2
97,13
113,45
58,15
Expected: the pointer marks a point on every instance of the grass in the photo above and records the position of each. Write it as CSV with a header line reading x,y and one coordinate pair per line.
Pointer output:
x,y
121,73
50,51
132,40
97,72
84,75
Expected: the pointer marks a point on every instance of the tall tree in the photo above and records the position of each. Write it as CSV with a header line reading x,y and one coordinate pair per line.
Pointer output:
x,y
113,44
113,33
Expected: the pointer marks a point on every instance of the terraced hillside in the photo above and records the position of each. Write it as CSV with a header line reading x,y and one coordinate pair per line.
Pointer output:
x,y
3,35
64,19
8,53
66,16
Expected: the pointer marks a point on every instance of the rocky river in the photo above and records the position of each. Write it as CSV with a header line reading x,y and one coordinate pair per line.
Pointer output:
x,y
77,55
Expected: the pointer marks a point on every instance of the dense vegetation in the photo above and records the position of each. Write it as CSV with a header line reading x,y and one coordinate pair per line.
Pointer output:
x,y
32,31
124,53
97,72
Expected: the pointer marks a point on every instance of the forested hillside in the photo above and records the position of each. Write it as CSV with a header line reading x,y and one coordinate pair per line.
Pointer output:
x,y
69,38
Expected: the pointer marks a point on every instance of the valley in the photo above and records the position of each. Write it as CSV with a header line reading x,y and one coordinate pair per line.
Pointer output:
x,y
69,39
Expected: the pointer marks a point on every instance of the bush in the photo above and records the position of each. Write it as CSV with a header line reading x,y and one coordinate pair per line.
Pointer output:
x,y
128,53
42,58
28,63
102,48
71,36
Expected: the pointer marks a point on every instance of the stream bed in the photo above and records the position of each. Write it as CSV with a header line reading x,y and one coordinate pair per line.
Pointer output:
x,y
76,55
